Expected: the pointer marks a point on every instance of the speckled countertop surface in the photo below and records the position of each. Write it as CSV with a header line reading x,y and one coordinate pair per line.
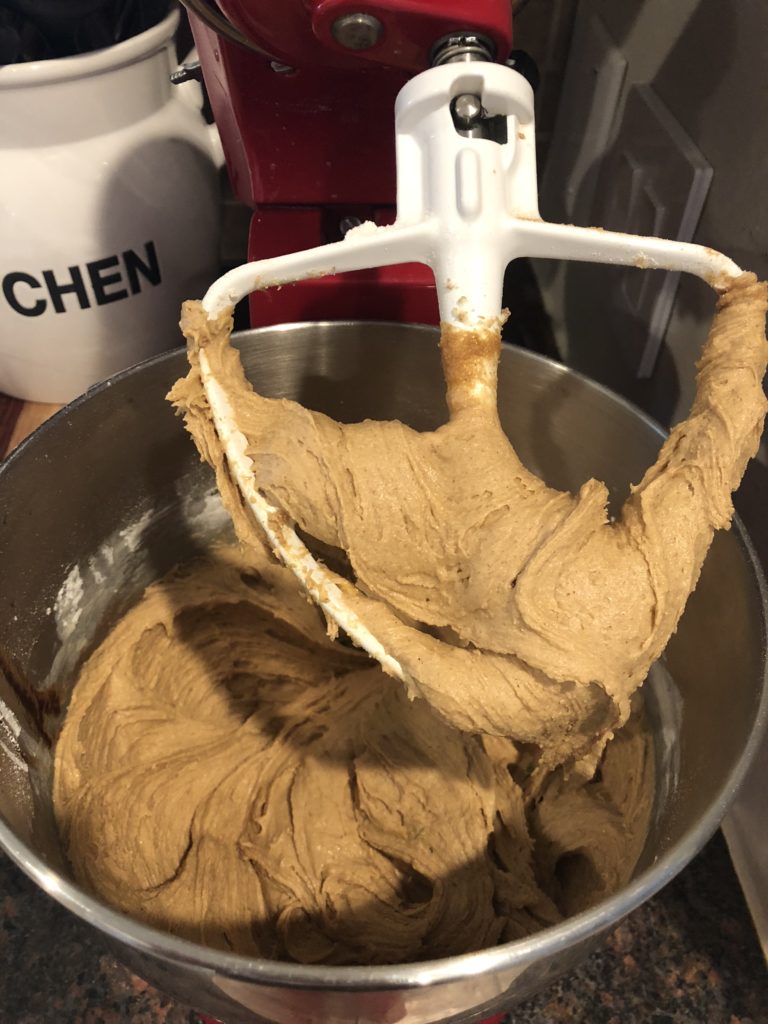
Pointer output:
x,y
689,956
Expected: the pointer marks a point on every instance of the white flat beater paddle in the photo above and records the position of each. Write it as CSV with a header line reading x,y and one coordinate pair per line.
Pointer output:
x,y
466,206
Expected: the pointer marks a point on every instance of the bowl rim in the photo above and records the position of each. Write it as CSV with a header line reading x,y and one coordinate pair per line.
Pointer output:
x,y
517,955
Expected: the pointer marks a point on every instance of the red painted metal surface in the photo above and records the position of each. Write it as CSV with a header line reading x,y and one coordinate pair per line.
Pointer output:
x,y
412,27
313,137
298,32
404,293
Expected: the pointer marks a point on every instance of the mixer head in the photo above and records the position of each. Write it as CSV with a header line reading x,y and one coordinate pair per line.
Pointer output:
x,y
467,204
303,92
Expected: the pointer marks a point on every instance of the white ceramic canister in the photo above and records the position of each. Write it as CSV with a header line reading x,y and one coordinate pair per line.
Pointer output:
x,y
109,213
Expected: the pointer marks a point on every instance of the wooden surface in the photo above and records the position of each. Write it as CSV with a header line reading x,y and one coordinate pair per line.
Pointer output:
x,y
18,419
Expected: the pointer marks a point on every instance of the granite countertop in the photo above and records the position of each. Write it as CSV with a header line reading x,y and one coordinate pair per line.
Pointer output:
x,y
688,956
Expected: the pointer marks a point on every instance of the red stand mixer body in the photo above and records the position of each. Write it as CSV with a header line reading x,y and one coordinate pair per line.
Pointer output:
x,y
307,125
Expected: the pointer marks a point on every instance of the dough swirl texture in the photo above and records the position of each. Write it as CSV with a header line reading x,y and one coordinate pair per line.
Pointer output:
x,y
518,610
228,773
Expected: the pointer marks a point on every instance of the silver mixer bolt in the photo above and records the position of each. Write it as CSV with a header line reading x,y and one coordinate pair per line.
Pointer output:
x,y
467,110
357,31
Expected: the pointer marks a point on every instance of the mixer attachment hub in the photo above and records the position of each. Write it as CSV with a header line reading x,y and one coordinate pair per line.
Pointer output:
x,y
462,47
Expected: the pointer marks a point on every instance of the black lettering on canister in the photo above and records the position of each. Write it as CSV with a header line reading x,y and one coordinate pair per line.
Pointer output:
x,y
75,286
149,270
101,280
9,291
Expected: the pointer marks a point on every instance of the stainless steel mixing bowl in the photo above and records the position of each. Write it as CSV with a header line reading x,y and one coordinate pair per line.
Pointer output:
x,y
110,494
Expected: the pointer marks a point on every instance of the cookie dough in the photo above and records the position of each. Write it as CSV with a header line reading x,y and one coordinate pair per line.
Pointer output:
x,y
228,773
515,609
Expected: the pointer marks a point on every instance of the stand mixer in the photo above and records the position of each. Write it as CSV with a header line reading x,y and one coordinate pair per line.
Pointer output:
x,y
303,95
296,93
141,487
